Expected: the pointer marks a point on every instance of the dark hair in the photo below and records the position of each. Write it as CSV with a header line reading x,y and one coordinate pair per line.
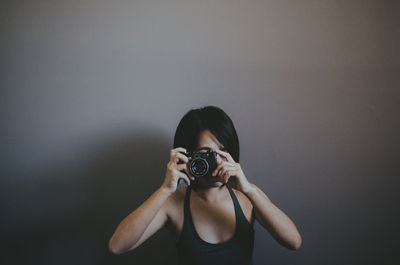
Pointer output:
x,y
209,118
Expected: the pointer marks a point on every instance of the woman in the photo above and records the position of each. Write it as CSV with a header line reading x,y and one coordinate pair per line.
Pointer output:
x,y
213,217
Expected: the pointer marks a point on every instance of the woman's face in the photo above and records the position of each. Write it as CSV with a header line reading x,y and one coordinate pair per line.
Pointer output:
x,y
208,142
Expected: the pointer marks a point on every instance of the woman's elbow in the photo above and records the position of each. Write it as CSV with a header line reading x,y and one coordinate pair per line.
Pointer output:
x,y
296,244
113,248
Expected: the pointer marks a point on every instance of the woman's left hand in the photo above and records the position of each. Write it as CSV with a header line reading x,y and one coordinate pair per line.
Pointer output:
x,y
230,171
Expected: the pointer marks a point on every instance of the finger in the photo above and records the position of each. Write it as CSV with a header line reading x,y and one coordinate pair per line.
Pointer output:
x,y
225,169
226,176
176,156
180,167
179,149
222,164
225,162
184,177
217,169
221,170
219,160
225,154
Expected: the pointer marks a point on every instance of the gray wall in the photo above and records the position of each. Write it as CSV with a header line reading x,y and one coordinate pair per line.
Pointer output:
x,y
92,92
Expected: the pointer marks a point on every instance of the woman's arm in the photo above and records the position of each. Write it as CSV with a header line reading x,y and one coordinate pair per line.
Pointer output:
x,y
273,219
140,224
149,217
270,217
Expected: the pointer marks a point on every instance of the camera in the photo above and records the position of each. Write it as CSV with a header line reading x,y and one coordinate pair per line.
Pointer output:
x,y
202,163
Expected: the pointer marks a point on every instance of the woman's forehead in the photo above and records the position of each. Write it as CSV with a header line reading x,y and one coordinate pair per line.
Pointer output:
x,y
208,141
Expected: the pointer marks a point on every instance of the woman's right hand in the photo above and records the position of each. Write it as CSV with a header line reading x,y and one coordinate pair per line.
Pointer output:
x,y
174,173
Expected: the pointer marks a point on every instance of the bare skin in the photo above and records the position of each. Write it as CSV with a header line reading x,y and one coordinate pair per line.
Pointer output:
x,y
211,205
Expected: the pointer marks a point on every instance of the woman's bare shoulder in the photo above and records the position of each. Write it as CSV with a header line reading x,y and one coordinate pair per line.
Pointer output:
x,y
178,196
175,200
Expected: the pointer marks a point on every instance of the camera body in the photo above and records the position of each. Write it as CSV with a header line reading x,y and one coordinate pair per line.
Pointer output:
x,y
202,164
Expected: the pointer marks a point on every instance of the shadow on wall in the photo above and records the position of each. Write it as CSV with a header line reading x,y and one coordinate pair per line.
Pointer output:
x,y
79,211
123,174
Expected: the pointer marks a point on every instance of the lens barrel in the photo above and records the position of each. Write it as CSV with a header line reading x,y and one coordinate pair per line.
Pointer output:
x,y
199,167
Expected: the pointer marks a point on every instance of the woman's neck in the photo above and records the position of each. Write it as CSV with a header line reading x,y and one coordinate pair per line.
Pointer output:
x,y
211,194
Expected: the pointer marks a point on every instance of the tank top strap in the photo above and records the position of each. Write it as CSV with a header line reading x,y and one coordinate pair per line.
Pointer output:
x,y
239,212
186,203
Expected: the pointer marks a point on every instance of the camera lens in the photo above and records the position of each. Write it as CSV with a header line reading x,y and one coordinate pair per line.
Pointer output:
x,y
198,167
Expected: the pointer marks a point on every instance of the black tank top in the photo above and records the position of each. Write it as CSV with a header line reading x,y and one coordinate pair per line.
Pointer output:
x,y
192,250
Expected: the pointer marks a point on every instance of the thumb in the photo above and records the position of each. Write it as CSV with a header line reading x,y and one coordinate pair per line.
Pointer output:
x,y
186,179
219,160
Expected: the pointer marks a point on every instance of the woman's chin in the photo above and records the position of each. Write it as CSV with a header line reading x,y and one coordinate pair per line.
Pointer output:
x,y
216,182
212,182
